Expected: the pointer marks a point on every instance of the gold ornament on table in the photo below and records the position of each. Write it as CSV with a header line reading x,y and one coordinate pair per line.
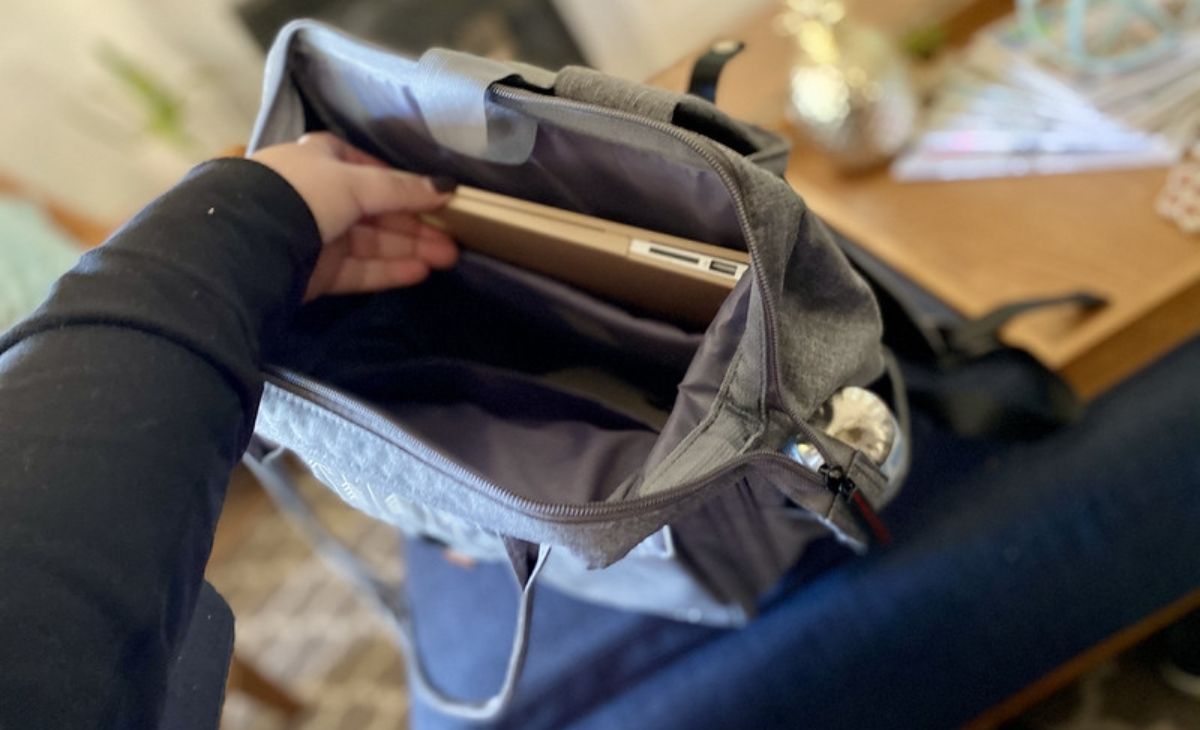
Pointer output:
x,y
850,89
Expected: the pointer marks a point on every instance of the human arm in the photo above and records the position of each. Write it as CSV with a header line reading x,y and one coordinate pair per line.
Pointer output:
x,y
127,398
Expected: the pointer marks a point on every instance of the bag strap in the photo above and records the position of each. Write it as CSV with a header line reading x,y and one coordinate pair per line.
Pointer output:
x,y
903,419
707,69
978,337
527,562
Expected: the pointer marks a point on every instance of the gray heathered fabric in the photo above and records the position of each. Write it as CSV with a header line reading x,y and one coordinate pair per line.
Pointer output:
x,y
593,87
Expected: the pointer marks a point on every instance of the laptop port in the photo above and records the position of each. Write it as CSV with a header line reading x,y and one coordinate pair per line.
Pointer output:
x,y
723,267
672,253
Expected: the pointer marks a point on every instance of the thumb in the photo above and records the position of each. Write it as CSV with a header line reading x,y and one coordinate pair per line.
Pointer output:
x,y
379,190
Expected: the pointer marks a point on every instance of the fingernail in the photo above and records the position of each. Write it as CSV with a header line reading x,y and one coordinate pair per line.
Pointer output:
x,y
443,184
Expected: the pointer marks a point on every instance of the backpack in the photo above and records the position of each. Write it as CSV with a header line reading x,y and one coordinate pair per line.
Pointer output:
x,y
617,457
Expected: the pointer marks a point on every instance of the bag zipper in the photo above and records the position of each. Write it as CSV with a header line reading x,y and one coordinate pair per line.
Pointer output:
x,y
840,483
379,424
842,486
375,421
705,148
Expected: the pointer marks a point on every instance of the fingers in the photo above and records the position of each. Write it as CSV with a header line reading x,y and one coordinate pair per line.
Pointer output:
x,y
333,146
379,190
369,275
401,237
323,141
439,253
342,184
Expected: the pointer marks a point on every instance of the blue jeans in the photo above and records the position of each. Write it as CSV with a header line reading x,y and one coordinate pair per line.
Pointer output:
x,y
1009,559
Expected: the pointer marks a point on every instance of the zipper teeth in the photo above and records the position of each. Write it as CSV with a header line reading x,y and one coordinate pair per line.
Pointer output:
x,y
703,147
379,424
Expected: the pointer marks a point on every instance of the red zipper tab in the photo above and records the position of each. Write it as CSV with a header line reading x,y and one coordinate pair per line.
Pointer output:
x,y
843,486
867,514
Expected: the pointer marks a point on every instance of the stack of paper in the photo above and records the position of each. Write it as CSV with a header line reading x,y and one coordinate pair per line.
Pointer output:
x,y
1010,109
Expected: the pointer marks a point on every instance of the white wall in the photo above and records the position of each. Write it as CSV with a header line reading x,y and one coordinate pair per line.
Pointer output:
x,y
70,130
637,38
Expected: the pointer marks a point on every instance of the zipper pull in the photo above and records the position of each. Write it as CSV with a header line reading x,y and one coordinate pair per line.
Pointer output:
x,y
838,482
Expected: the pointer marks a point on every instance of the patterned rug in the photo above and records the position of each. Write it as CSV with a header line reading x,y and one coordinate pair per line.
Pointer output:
x,y
1124,694
302,626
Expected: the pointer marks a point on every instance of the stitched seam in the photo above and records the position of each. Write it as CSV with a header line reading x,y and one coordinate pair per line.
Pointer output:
x,y
719,403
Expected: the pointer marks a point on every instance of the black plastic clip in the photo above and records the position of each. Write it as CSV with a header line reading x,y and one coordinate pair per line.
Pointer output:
x,y
837,481
707,69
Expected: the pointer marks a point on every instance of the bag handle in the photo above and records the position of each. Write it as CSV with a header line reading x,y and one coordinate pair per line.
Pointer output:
x,y
706,71
266,466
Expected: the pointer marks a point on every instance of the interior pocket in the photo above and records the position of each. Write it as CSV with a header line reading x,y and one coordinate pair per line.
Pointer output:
x,y
487,312
492,420
489,364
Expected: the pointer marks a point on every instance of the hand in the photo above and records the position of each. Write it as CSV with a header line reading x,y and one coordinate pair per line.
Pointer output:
x,y
366,213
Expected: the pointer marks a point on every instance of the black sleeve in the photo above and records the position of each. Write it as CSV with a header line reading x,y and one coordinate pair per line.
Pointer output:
x,y
125,401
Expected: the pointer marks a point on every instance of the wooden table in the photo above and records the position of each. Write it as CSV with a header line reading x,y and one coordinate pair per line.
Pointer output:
x,y
980,244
